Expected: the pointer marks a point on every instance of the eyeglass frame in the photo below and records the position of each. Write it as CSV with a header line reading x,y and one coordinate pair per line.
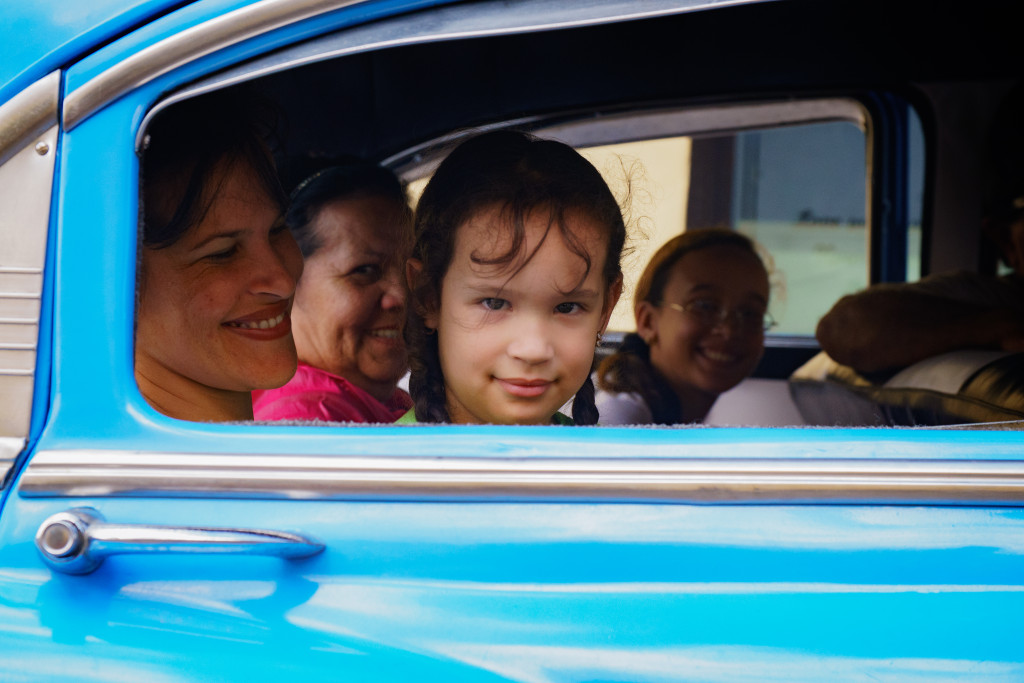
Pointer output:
x,y
723,315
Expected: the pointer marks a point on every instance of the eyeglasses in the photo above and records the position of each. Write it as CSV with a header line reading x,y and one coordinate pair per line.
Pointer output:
x,y
710,313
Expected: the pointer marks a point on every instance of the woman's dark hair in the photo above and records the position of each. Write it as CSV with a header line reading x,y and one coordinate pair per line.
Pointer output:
x,y
190,145
517,173
351,178
629,369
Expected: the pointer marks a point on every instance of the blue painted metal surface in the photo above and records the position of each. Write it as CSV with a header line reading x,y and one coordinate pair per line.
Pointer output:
x,y
38,37
536,593
471,592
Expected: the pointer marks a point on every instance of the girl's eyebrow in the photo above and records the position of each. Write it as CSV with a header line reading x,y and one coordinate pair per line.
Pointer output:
x,y
704,287
701,288
483,287
581,293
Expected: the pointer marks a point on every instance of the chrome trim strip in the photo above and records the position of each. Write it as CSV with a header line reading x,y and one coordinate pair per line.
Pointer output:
x,y
591,129
28,114
10,447
192,43
93,473
719,119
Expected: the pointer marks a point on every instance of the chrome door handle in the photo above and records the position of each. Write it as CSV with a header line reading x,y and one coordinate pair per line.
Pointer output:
x,y
78,540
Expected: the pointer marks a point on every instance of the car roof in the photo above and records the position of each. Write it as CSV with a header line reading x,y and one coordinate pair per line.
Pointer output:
x,y
39,36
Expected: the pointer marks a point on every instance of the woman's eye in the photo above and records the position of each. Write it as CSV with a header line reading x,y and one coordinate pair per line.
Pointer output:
x,y
366,273
568,307
494,304
224,254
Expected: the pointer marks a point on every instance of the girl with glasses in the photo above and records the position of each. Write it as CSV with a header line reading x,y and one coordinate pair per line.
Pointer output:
x,y
701,310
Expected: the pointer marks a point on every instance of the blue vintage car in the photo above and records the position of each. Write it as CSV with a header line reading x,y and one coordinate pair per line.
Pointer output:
x,y
848,136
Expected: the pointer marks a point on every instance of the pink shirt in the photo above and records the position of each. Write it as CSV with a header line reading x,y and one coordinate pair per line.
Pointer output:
x,y
315,394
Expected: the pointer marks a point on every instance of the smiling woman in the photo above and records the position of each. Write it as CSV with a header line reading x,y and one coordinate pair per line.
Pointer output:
x,y
354,226
218,265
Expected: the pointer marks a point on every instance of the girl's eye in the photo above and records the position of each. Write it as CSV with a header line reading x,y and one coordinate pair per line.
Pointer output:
x,y
749,316
705,307
494,304
568,307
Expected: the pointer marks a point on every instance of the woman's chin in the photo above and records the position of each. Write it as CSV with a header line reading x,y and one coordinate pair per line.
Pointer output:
x,y
274,374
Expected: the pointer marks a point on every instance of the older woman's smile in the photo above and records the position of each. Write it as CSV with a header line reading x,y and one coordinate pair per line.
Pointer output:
x,y
386,333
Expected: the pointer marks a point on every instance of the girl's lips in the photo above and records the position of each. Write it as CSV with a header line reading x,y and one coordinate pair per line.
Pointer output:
x,y
720,356
524,388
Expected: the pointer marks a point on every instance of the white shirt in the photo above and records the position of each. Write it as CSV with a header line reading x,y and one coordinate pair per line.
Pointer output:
x,y
622,409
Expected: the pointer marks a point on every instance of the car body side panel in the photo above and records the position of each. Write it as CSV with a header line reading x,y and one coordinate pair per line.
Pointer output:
x,y
421,591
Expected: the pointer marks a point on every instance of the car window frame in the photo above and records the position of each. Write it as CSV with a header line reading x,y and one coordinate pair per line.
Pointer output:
x,y
139,451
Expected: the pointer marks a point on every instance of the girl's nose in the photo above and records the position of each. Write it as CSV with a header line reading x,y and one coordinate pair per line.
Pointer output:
x,y
725,326
531,343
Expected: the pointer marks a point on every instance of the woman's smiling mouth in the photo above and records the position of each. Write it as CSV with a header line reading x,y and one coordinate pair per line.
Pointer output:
x,y
385,333
258,324
262,326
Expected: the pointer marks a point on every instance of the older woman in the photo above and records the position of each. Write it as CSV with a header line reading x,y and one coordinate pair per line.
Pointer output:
x,y
218,267
353,225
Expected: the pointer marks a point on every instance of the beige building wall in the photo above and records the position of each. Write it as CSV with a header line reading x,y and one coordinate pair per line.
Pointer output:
x,y
651,180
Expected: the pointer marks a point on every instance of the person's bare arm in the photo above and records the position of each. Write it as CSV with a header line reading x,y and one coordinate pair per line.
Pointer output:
x,y
887,328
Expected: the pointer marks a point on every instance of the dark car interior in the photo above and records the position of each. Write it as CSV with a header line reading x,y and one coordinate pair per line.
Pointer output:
x,y
399,92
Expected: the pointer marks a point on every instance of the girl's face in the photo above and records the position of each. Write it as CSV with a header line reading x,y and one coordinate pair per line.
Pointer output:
x,y
350,303
702,357
514,350
214,306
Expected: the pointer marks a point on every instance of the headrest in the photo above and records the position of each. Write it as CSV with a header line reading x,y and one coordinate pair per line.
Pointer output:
x,y
962,387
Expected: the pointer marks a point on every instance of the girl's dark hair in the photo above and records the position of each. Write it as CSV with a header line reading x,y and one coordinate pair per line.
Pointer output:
x,y
187,144
350,178
629,369
517,173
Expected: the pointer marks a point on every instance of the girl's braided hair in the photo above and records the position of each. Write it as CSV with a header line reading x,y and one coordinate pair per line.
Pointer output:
x,y
517,173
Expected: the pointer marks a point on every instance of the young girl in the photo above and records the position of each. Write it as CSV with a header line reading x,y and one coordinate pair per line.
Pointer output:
x,y
701,314
514,274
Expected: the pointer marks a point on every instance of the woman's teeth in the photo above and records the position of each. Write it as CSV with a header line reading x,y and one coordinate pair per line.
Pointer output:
x,y
259,324
720,357
388,334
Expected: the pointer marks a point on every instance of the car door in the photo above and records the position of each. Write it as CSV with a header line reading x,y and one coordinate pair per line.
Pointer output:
x,y
449,553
